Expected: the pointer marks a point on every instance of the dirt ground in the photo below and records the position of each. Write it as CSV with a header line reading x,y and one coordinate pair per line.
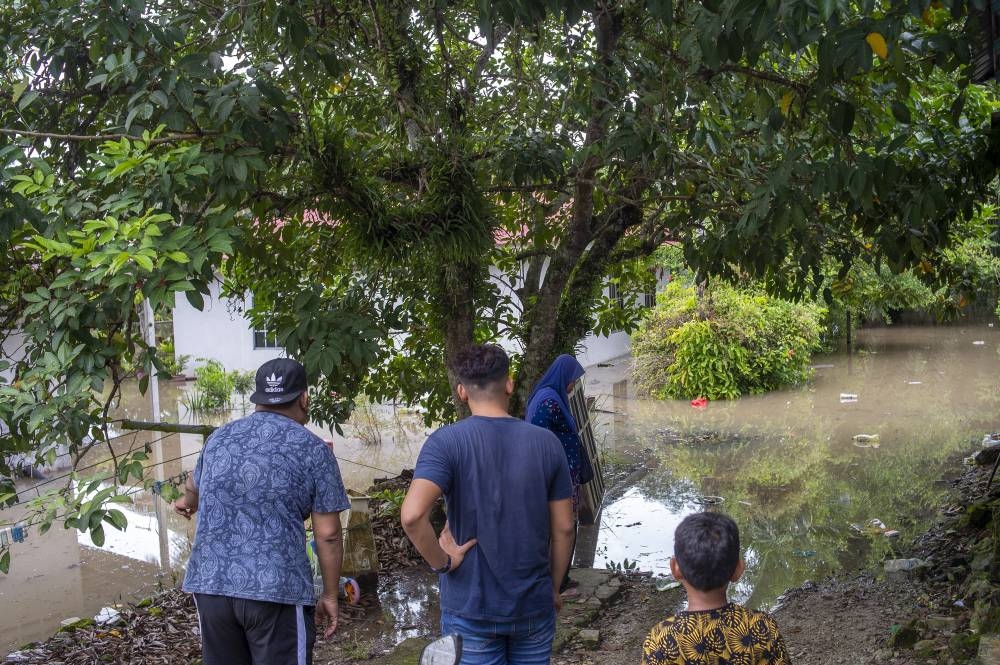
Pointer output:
x,y
848,619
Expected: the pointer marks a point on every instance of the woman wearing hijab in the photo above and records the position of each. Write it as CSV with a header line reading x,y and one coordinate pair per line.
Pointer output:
x,y
548,407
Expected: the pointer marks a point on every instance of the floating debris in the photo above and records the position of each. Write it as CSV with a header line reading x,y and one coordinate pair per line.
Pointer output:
x,y
108,615
709,500
699,402
979,342
848,398
666,584
866,440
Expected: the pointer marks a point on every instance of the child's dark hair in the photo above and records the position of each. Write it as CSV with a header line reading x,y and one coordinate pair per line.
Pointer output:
x,y
707,550
481,367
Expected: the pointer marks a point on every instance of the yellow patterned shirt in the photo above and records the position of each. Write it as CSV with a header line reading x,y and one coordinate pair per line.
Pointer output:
x,y
729,635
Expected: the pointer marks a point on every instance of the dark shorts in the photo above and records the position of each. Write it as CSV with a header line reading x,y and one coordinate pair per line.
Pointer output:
x,y
237,631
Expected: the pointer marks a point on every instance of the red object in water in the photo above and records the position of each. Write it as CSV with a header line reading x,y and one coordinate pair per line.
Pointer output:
x,y
699,402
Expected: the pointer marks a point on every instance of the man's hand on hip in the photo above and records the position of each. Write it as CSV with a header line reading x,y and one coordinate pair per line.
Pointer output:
x,y
457,552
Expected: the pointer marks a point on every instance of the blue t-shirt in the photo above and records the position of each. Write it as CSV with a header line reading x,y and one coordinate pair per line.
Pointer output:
x,y
498,476
258,479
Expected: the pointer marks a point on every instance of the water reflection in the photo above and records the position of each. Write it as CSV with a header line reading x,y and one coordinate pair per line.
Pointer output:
x,y
787,464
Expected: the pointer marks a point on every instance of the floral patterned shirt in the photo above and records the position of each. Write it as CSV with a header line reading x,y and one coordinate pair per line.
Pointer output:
x,y
258,479
729,635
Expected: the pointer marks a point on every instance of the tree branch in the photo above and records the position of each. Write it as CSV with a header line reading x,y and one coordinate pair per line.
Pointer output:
x,y
100,137
771,77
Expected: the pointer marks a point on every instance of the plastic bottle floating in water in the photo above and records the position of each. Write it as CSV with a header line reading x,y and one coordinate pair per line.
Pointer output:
x,y
349,590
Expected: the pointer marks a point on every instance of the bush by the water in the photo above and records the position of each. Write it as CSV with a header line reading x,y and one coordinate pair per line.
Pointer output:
x,y
732,342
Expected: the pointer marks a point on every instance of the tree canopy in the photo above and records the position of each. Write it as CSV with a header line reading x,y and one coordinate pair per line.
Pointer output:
x,y
395,181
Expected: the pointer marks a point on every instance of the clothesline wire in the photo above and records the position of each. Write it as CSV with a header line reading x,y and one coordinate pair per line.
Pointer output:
x,y
180,477
99,463
162,462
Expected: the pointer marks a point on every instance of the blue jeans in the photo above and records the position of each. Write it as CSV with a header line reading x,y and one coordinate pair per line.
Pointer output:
x,y
524,642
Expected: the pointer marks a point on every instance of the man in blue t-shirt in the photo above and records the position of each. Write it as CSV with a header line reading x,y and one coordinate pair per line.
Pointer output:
x,y
509,502
256,481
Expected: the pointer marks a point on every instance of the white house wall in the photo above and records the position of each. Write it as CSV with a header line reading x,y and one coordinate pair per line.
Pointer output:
x,y
216,333
597,349
227,336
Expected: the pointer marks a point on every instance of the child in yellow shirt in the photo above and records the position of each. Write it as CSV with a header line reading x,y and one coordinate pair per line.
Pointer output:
x,y
712,631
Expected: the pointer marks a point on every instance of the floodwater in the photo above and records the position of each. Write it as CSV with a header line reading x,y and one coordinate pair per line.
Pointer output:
x,y
790,466
785,465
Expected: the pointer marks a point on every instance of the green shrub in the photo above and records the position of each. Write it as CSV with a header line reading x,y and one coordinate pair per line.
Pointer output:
x,y
213,386
172,363
243,382
730,343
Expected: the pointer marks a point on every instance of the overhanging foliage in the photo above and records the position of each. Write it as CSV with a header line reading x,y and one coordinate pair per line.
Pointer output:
x,y
395,181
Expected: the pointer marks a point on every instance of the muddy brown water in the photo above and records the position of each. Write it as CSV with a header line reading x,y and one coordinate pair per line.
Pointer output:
x,y
785,465
811,474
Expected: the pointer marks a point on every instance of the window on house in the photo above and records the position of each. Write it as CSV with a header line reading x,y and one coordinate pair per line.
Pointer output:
x,y
265,339
649,299
615,294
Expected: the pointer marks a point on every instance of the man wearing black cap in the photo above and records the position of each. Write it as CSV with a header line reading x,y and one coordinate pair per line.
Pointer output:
x,y
257,480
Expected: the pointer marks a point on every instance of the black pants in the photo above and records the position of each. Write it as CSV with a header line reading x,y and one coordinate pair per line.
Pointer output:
x,y
237,631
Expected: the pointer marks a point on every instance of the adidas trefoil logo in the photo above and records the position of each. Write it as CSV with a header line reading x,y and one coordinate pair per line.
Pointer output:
x,y
273,383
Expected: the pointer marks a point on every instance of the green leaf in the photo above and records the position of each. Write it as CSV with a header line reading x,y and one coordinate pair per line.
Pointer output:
x,y
901,112
117,519
956,109
225,108
662,10
160,98
19,89
26,99
97,535
196,300
144,262
842,117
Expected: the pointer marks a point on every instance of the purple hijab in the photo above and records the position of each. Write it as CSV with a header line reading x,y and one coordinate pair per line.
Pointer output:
x,y
561,373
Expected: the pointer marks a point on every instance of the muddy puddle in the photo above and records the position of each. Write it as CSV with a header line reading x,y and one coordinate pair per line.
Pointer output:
x,y
804,471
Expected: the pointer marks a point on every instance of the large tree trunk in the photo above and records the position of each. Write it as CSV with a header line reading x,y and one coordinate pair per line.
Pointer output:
x,y
457,309
571,320
543,339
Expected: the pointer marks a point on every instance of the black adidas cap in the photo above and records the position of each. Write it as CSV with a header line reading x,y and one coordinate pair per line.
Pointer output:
x,y
279,381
